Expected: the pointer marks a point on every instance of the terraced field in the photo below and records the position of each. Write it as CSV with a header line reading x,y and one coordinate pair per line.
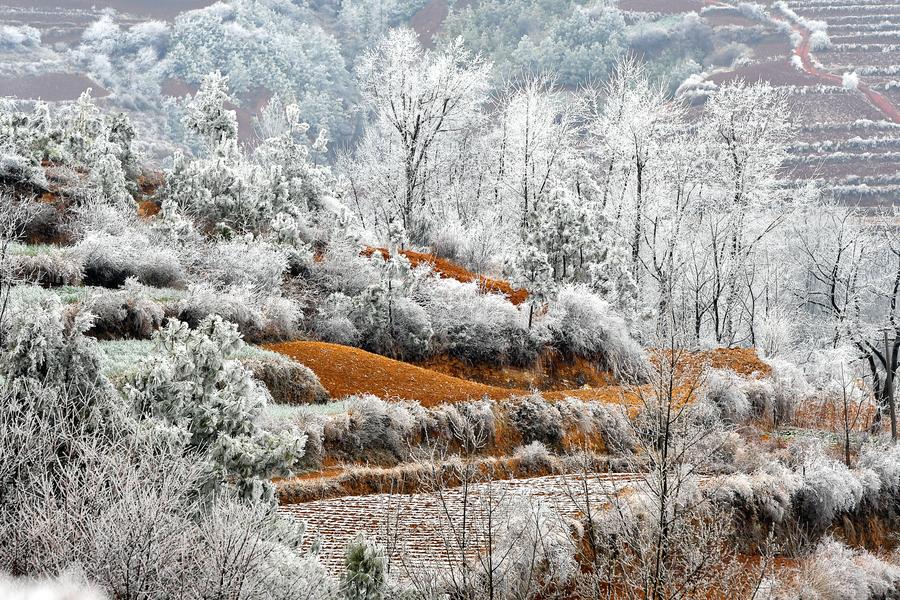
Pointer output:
x,y
421,528
848,137
851,138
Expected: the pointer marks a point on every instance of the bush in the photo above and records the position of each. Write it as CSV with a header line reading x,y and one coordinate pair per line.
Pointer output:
x,y
192,382
614,427
582,324
766,494
365,565
373,428
537,421
259,266
789,385
724,391
836,572
884,461
392,325
473,425
124,314
288,381
258,317
476,327
47,266
111,259
534,458
332,323
829,489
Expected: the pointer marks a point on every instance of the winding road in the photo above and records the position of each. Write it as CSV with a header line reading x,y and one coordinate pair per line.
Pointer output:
x,y
878,100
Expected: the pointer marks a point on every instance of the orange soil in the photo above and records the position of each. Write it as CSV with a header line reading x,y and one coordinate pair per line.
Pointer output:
x,y
450,270
551,373
346,371
147,208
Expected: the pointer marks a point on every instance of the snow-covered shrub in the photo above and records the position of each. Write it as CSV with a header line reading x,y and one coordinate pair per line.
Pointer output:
x,y
536,420
365,568
331,321
534,458
276,189
615,429
288,381
371,427
884,461
245,262
724,390
192,382
23,37
761,396
470,424
766,493
789,386
46,265
477,327
582,324
259,318
87,484
837,572
44,344
829,488
282,318
125,313
532,548
342,269
819,40
391,325
850,80
19,170
111,259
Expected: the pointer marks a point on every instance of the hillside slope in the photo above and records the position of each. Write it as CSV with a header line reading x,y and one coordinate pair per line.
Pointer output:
x,y
346,371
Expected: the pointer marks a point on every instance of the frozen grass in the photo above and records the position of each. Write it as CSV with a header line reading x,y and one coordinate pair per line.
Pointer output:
x,y
288,412
121,356
31,249
72,294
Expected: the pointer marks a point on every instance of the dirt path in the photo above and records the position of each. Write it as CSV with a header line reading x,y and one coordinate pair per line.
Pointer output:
x,y
879,101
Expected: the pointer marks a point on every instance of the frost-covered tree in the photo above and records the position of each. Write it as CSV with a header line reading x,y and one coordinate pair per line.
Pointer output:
x,y
190,382
529,268
851,289
746,128
531,146
415,98
206,115
278,188
76,135
364,576
635,119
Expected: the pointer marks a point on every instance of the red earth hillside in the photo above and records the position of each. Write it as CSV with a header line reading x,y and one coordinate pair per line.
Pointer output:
x,y
346,371
450,270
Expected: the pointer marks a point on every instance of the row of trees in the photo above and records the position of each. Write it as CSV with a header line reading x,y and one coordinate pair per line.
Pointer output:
x,y
680,220
563,184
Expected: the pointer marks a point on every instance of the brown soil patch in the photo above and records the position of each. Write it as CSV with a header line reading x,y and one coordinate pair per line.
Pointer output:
x,y
346,371
147,208
450,270
549,374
